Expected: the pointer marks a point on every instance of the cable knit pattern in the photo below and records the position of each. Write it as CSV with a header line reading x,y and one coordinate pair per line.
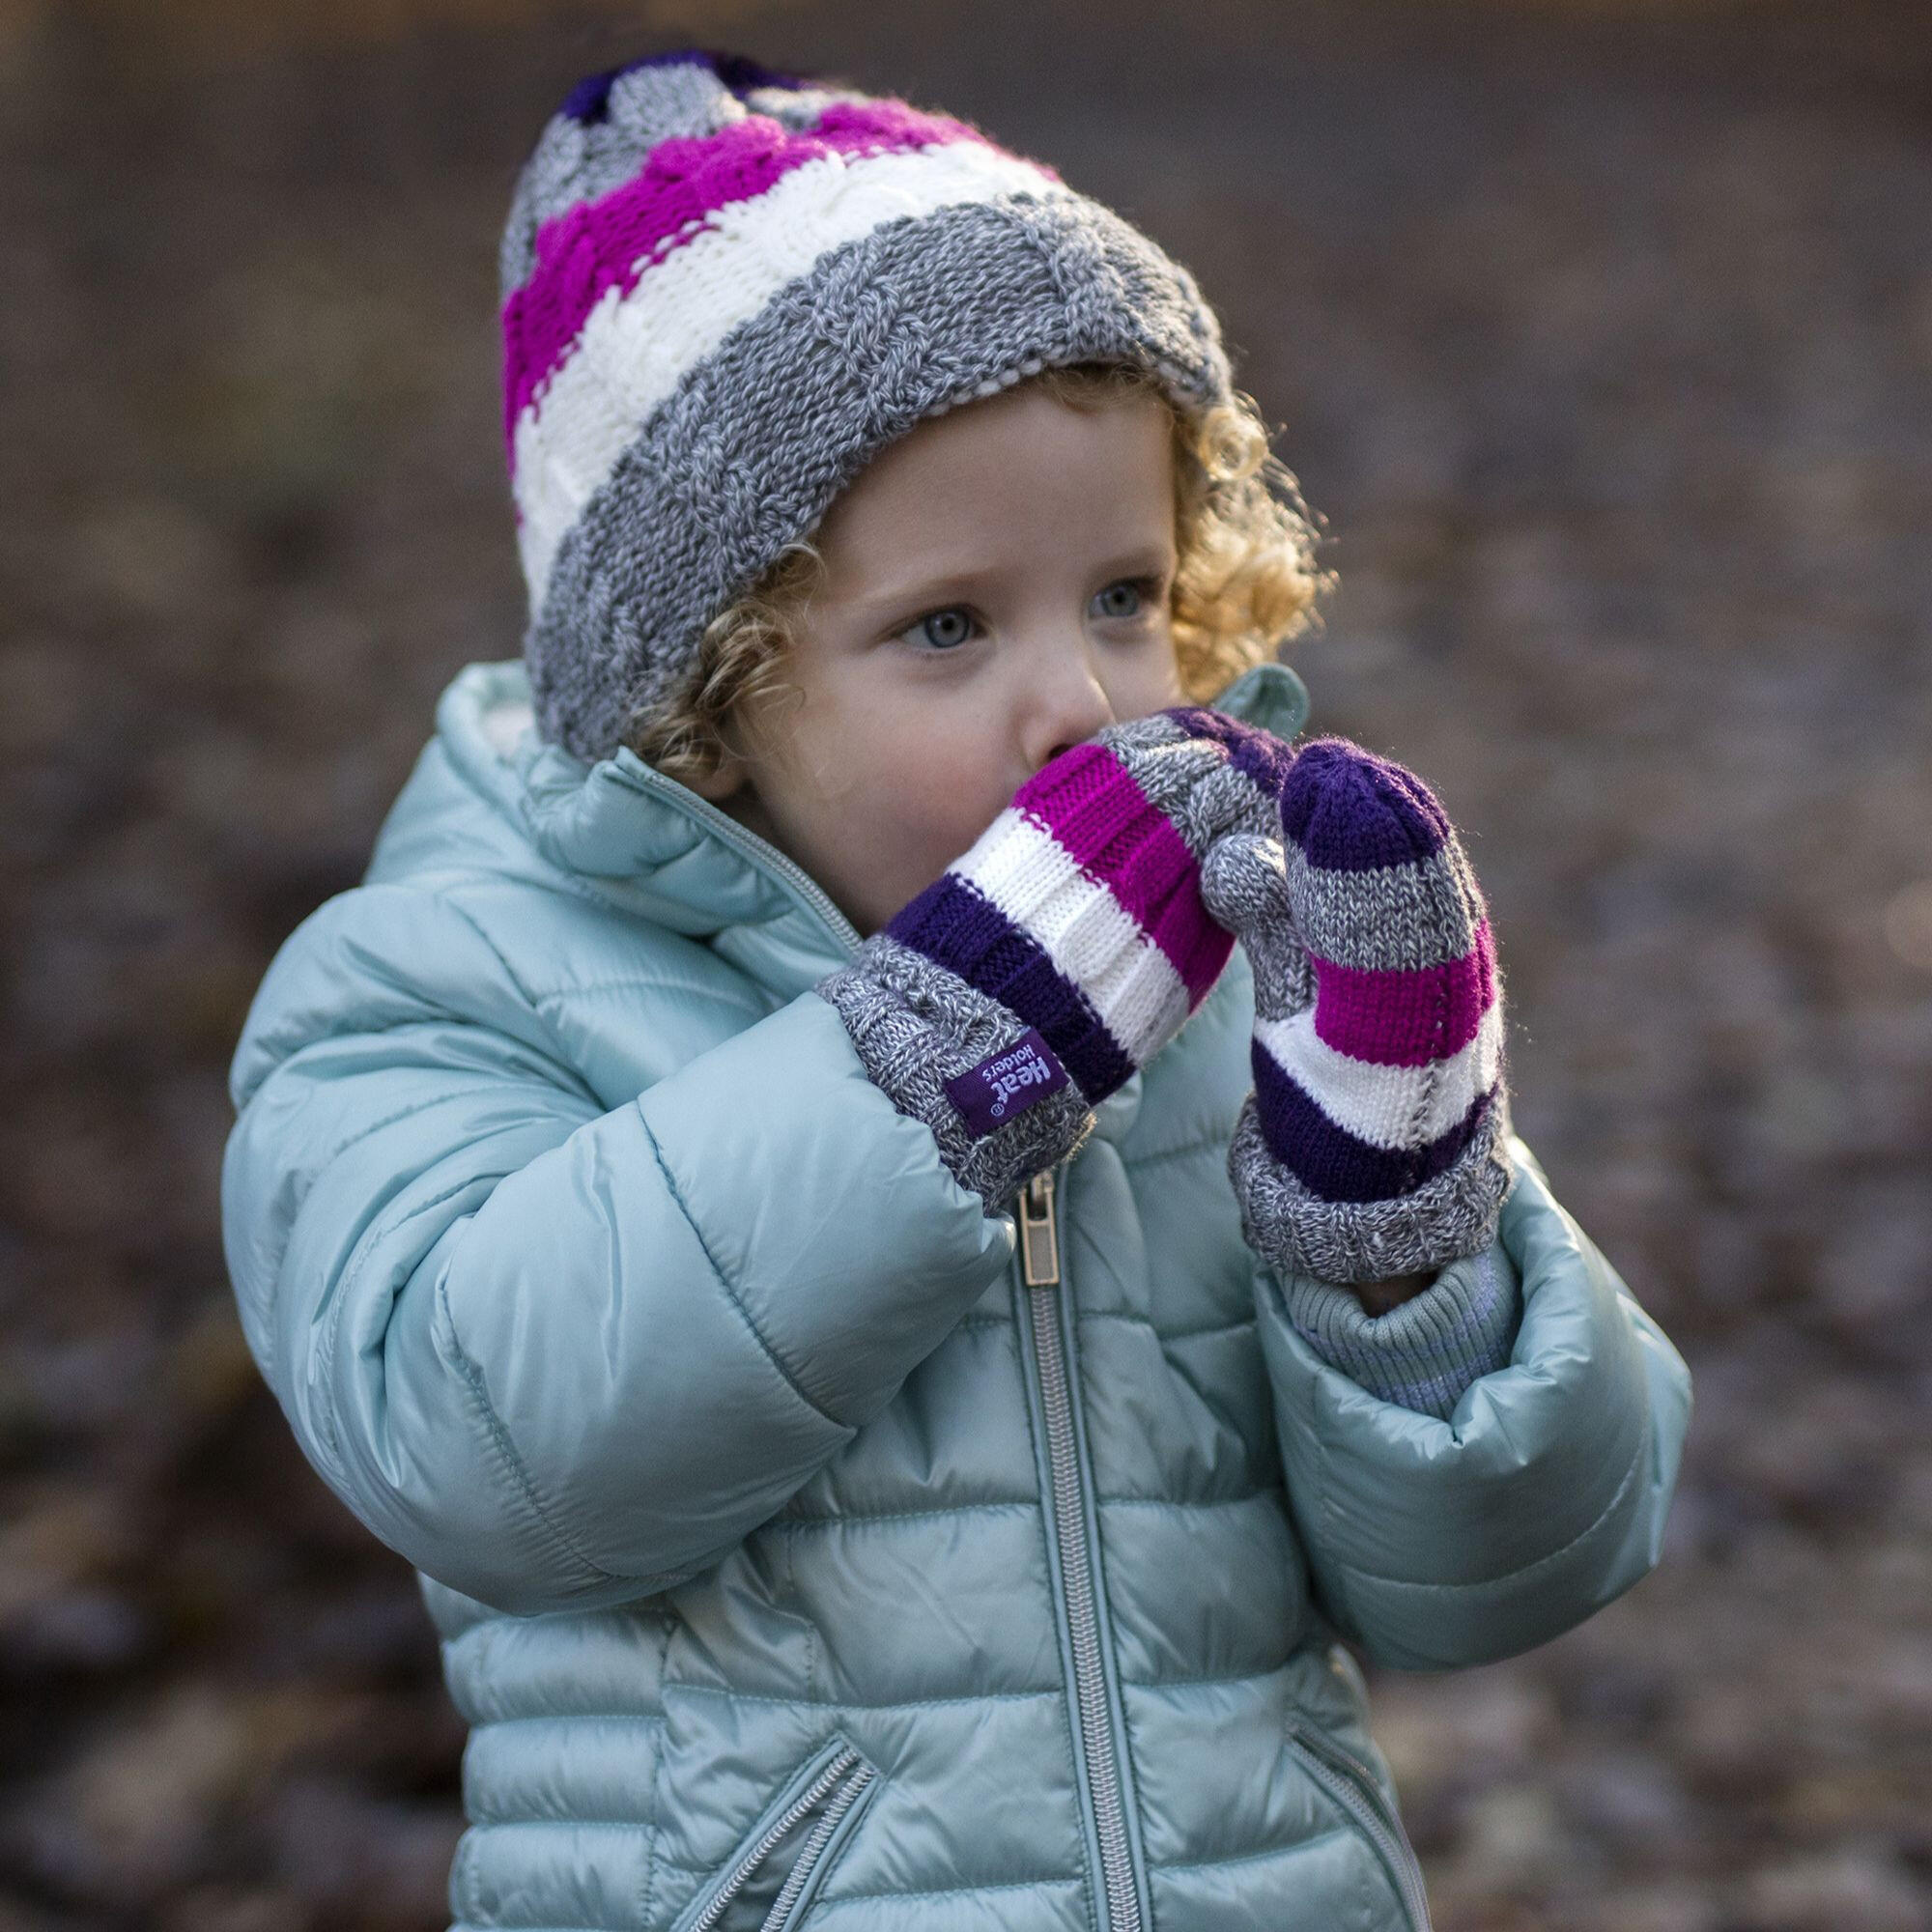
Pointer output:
x,y
1076,914
612,242
1371,1146
724,291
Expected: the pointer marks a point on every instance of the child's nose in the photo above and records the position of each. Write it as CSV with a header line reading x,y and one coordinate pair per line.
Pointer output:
x,y
1064,706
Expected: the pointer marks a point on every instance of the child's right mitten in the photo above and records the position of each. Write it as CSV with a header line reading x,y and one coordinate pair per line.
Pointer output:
x,y
1050,962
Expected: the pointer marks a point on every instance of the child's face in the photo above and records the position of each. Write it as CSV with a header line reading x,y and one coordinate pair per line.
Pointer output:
x,y
996,589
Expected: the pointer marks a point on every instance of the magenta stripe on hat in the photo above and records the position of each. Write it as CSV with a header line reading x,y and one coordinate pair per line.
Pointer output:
x,y
610,241
1405,1018
1101,818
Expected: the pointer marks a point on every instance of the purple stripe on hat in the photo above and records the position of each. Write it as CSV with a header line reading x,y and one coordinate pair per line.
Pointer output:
x,y
742,74
1352,811
956,925
1402,1016
610,243
1089,803
1328,1160
590,100
1261,755
1405,1017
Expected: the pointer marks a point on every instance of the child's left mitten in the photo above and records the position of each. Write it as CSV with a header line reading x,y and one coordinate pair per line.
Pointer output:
x,y
1375,1143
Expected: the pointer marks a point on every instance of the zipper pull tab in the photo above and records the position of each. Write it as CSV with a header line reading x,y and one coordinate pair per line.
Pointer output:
x,y
1039,1241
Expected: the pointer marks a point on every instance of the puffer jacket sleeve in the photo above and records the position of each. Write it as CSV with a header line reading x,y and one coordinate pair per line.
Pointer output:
x,y
558,1355
1438,1544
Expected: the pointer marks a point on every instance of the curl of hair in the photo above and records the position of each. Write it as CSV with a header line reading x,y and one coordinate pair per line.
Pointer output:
x,y
1245,579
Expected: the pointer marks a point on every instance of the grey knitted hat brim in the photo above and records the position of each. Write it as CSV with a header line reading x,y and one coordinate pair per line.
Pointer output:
x,y
748,454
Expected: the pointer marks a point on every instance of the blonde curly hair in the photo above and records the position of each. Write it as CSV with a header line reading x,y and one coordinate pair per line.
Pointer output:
x,y
1245,579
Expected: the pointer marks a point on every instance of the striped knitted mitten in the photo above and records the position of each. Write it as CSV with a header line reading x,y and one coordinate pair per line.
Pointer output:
x,y
1052,961
1374,1143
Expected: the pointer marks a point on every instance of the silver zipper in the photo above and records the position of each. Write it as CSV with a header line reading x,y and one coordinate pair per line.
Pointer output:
x,y
760,852
1352,1786
800,1875
1039,1264
840,1766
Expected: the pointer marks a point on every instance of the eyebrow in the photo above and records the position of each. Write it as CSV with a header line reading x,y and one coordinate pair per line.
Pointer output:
x,y
929,592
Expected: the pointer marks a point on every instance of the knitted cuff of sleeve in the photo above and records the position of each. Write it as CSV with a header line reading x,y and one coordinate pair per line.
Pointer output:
x,y
916,1025
1423,1355
1452,1214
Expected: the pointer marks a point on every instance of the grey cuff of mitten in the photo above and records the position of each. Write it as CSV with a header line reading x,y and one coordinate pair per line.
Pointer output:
x,y
917,1025
1423,1355
1298,1232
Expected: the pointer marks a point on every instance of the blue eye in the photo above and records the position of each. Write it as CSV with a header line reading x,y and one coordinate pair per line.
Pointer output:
x,y
944,629
1129,598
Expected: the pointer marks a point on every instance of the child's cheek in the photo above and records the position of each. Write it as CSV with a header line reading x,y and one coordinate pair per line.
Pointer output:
x,y
944,798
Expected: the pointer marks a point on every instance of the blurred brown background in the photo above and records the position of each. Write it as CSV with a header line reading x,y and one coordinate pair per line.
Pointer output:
x,y
1601,336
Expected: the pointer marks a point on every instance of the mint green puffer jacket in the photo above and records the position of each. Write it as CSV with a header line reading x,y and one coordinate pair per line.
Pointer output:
x,y
798,1561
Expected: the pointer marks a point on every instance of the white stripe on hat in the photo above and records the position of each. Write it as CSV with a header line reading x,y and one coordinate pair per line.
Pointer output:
x,y
634,347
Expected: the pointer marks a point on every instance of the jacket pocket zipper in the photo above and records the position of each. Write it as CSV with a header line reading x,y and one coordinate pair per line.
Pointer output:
x,y
1352,1786
836,1782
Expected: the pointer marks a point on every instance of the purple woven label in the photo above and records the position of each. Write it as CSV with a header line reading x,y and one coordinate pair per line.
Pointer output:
x,y
1008,1083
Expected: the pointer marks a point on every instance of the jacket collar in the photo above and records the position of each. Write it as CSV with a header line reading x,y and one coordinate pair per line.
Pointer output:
x,y
653,847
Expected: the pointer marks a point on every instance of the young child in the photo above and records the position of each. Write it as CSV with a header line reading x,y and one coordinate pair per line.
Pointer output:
x,y
908,1215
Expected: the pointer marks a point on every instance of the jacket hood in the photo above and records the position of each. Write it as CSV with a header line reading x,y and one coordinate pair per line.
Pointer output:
x,y
643,843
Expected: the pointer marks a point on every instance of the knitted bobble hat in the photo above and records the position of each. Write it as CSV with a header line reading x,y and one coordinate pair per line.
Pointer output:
x,y
724,290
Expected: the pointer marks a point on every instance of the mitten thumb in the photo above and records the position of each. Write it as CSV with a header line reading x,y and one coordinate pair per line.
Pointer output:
x,y
1244,887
